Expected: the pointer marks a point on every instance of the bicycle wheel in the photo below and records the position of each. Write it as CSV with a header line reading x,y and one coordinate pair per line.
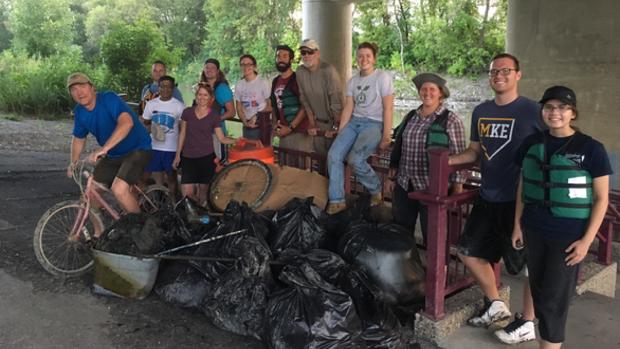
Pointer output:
x,y
56,253
247,181
158,198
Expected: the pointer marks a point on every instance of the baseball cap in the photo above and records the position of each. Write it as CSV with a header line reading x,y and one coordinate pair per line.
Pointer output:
x,y
78,78
561,93
309,43
420,79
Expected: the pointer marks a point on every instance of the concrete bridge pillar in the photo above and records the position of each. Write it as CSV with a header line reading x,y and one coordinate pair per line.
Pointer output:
x,y
330,22
573,43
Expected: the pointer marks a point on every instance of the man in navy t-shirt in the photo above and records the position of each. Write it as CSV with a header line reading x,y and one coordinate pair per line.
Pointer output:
x,y
498,127
125,143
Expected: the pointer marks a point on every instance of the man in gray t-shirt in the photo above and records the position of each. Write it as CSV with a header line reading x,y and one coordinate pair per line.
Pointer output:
x,y
321,93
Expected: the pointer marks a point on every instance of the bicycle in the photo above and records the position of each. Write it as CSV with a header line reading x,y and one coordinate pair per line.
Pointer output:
x,y
62,233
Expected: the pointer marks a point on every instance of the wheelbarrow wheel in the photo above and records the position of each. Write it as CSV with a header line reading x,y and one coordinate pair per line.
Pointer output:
x,y
248,181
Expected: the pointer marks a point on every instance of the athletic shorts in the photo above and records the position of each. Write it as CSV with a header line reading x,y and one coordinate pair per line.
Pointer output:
x,y
161,161
197,170
488,234
128,168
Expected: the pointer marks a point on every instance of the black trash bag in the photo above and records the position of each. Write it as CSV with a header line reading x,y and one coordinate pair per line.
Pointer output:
x,y
237,304
120,237
142,233
381,328
240,216
327,264
250,257
297,226
388,255
336,225
194,216
310,313
181,284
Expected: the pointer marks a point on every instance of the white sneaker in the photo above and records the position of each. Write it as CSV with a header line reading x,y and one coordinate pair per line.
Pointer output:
x,y
518,331
493,311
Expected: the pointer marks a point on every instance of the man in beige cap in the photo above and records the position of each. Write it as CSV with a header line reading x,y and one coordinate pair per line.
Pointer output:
x,y
321,94
125,143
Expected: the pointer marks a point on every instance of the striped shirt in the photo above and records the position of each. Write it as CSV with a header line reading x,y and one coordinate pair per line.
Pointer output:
x,y
413,165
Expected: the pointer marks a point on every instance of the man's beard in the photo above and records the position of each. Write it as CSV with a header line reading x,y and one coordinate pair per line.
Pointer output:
x,y
282,67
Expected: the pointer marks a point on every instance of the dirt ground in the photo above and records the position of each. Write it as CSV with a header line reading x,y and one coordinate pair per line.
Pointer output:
x,y
40,311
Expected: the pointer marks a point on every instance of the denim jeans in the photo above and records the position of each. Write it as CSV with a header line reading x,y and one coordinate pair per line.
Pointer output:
x,y
356,142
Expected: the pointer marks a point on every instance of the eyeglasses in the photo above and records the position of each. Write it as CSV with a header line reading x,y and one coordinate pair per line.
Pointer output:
x,y
243,65
549,108
307,52
502,71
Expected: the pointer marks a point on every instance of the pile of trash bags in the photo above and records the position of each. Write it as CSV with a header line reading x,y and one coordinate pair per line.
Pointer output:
x,y
294,278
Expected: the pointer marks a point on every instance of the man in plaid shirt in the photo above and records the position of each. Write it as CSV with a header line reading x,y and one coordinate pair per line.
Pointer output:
x,y
430,125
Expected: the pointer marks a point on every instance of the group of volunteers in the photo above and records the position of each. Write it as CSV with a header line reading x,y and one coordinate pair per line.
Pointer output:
x,y
544,183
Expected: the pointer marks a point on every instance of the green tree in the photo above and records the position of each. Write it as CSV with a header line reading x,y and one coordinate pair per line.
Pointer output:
x,y
236,27
41,27
375,24
183,23
5,34
101,14
128,51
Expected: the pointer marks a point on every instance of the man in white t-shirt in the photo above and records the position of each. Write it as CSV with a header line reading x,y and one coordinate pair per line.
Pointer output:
x,y
161,116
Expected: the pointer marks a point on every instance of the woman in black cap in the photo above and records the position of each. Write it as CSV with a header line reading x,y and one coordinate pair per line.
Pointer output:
x,y
561,201
431,125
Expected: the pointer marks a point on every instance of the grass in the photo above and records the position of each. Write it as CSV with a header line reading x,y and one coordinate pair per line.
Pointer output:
x,y
11,117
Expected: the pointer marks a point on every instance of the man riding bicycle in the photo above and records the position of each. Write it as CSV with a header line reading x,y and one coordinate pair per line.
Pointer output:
x,y
125,144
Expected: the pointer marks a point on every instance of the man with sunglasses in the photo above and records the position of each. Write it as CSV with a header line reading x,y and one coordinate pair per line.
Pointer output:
x,y
498,127
322,95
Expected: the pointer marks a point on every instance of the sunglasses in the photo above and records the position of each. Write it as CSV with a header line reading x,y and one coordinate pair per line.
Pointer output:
x,y
307,52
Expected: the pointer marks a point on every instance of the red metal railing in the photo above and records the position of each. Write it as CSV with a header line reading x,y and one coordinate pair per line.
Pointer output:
x,y
445,274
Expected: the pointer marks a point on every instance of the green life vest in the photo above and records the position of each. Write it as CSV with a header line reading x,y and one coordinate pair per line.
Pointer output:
x,y
558,182
290,101
437,135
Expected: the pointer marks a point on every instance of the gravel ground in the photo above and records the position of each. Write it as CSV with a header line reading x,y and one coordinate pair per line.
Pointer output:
x,y
29,134
36,135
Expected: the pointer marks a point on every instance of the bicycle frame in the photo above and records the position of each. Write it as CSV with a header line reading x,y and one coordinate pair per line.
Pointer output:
x,y
90,193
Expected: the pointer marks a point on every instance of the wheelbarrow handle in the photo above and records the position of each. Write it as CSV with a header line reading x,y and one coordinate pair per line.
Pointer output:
x,y
193,258
200,242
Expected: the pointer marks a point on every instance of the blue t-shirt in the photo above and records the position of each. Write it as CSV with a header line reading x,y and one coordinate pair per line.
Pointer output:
x,y
154,88
102,121
223,94
501,129
592,157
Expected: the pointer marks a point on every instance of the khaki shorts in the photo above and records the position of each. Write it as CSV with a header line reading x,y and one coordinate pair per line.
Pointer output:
x,y
128,168
298,141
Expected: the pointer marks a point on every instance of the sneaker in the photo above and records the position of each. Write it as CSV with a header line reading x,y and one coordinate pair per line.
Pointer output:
x,y
493,311
518,331
376,199
336,207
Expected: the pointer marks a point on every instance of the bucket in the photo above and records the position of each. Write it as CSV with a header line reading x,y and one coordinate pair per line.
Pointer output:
x,y
247,149
124,276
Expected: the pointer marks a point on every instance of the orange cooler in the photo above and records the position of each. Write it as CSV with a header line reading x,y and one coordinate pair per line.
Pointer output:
x,y
250,149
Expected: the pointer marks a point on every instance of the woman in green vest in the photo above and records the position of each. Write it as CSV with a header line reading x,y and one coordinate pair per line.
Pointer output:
x,y
431,125
561,201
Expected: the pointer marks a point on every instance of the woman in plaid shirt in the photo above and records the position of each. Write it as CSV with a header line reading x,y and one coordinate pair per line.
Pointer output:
x,y
430,125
